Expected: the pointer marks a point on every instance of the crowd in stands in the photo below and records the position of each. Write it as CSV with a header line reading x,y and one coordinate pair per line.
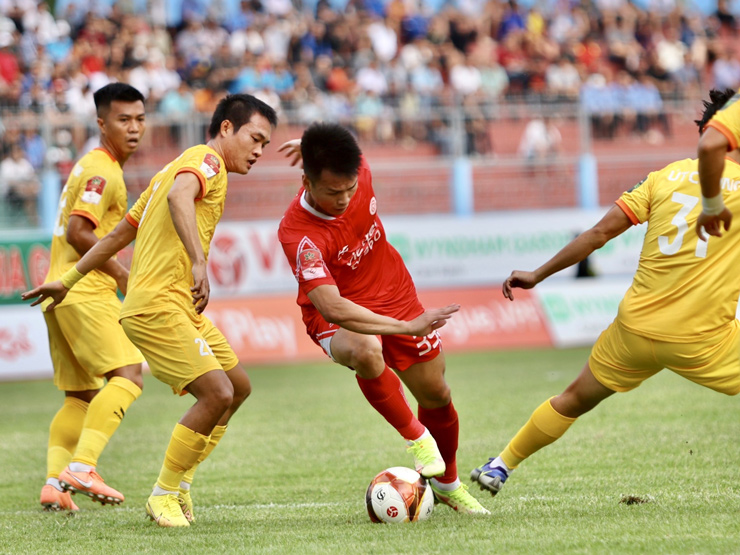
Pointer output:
x,y
383,67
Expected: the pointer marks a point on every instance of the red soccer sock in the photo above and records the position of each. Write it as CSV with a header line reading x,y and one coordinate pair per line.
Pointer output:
x,y
385,394
443,424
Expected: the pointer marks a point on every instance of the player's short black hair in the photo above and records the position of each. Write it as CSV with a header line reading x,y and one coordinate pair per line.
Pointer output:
x,y
717,99
329,146
239,109
123,92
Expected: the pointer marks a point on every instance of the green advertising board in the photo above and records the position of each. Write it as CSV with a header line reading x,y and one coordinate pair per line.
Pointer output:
x,y
24,261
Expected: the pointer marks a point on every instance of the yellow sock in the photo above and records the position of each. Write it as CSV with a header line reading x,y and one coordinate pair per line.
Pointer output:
x,y
106,411
216,435
543,427
64,432
185,448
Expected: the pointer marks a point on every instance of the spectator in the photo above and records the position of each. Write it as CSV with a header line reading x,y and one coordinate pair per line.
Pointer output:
x,y
34,148
541,140
19,186
726,70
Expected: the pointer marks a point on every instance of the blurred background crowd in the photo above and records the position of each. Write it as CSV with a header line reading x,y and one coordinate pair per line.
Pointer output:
x,y
386,68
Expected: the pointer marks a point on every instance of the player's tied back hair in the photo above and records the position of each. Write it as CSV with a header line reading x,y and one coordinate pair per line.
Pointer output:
x,y
329,146
717,99
239,109
122,92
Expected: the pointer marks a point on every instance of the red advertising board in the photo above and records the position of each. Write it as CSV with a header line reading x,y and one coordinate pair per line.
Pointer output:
x,y
270,330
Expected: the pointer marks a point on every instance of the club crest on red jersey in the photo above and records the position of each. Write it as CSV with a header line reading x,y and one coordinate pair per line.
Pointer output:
x,y
309,263
210,166
373,206
94,190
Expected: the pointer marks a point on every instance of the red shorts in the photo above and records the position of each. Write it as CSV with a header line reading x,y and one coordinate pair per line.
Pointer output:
x,y
399,351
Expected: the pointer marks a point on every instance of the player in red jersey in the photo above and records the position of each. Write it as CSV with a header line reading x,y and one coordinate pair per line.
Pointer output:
x,y
360,305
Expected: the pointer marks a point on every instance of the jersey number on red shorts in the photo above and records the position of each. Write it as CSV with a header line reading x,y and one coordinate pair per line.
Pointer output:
x,y
429,342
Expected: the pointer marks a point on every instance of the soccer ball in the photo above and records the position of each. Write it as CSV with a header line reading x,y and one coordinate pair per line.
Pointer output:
x,y
399,494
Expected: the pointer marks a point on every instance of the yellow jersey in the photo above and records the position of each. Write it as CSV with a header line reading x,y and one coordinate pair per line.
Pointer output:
x,y
161,270
684,288
727,121
94,190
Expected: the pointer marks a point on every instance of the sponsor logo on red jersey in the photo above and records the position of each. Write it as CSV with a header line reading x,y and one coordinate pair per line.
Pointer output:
x,y
94,190
210,166
353,257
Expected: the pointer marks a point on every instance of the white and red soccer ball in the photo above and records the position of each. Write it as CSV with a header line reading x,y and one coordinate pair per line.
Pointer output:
x,y
399,494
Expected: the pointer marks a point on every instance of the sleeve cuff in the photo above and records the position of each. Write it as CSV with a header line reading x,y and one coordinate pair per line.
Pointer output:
x,y
130,219
628,211
729,135
200,177
87,216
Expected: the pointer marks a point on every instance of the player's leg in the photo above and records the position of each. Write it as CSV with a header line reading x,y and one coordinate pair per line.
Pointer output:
x,y
383,390
712,362
180,356
242,389
547,424
378,383
103,349
603,375
64,433
436,411
66,426
214,395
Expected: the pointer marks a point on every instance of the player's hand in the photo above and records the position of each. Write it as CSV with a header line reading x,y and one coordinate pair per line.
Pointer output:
x,y
54,290
522,280
201,289
713,224
122,281
292,148
431,320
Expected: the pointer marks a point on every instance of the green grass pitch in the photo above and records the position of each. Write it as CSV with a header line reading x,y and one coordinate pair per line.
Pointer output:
x,y
291,473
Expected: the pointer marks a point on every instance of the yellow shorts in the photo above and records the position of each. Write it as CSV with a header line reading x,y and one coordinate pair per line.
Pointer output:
x,y
179,351
621,360
86,342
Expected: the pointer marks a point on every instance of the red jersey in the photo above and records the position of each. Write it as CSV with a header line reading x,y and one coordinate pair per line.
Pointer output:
x,y
350,251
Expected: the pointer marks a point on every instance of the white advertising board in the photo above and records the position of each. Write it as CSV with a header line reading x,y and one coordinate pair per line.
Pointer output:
x,y
578,310
484,249
24,344
440,251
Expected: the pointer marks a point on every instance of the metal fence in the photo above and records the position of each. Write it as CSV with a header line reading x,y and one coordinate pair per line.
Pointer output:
x,y
458,159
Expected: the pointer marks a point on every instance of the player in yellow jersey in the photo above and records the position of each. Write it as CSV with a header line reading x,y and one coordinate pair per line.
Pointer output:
x,y
667,288
721,136
86,341
173,222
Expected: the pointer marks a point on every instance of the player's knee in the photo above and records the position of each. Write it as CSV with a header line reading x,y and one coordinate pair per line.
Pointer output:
x,y
367,355
435,396
242,392
221,397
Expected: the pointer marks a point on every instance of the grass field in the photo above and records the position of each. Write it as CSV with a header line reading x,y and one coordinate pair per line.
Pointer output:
x,y
291,473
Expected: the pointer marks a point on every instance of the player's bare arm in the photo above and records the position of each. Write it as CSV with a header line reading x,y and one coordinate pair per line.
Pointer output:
x,y
292,150
713,147
81,235
109,245
615,222
340,311
181,200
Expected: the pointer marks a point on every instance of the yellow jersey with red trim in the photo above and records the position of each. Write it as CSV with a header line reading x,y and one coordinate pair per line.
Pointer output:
x,y
94,190
161,270
684,288
727,121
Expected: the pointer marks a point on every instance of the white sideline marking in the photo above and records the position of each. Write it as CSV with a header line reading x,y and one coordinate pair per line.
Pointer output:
x,y
204,509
